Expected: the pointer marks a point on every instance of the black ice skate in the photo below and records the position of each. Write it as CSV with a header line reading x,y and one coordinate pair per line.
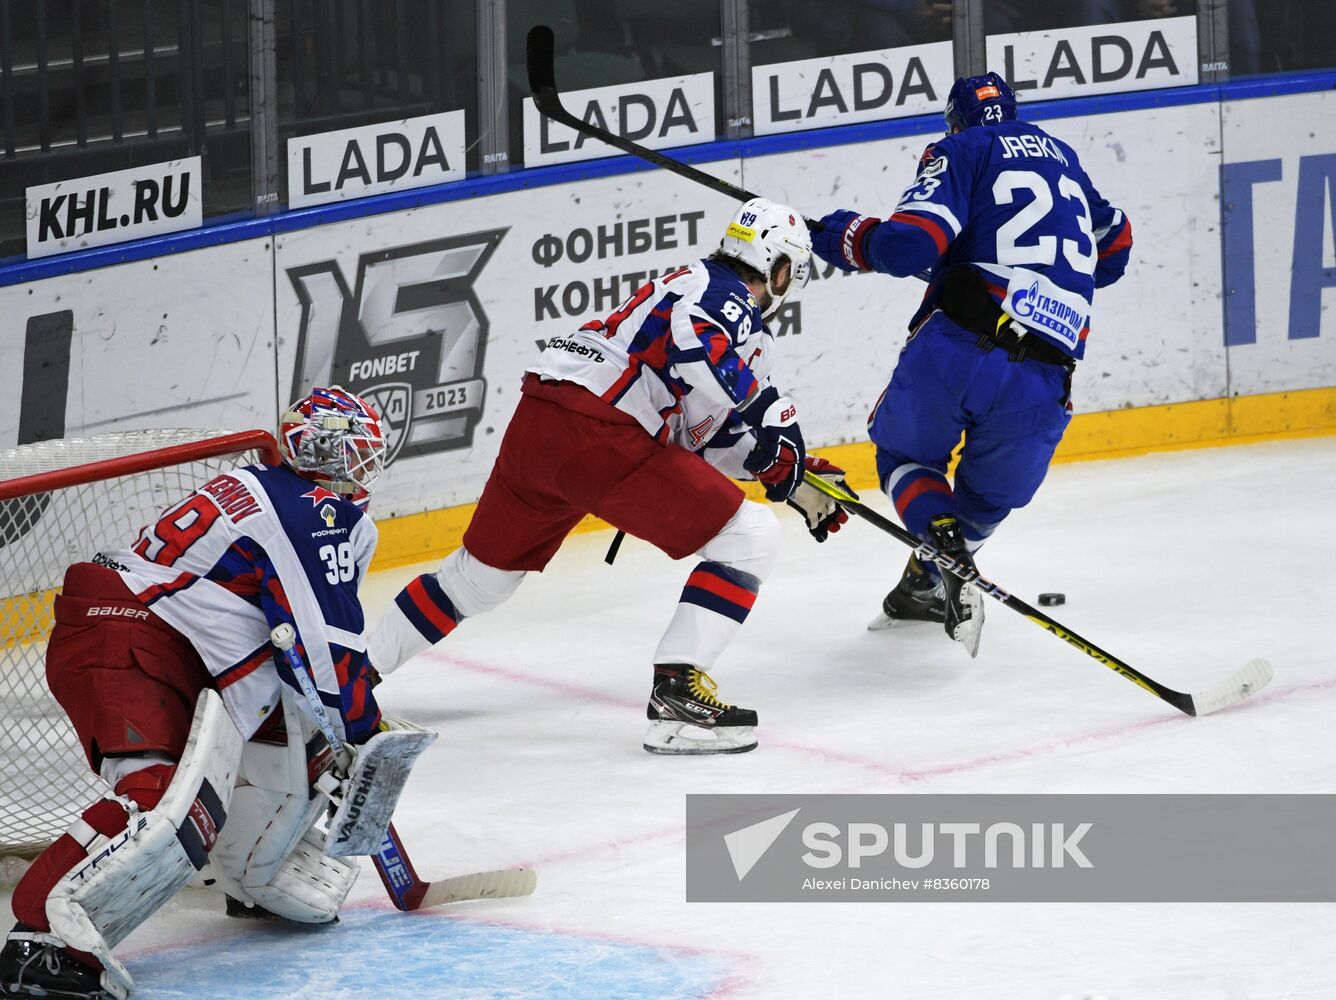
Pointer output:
x,y
254,911
33,964
963,604
687,717
918,597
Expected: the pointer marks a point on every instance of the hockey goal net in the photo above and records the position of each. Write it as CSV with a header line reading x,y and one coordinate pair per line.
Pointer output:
x,y
61,502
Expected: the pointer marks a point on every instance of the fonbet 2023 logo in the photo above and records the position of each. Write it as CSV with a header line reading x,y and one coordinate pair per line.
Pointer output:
x,y
410,336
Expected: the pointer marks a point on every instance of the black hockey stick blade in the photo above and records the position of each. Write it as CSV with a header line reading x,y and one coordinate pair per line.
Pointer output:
x,y
1247,680
539,57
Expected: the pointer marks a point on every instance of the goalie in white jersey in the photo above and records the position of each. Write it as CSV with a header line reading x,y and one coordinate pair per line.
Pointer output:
x,y
161,657
640,418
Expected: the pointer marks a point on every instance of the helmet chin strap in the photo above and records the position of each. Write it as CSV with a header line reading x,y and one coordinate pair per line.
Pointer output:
x,y
776,297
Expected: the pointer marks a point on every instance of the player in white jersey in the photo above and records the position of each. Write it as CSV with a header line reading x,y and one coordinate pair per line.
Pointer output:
x,y
640,418
161,657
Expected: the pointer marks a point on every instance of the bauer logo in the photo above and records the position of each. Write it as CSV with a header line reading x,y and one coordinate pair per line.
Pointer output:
x,y
115,207
1009,848
410,336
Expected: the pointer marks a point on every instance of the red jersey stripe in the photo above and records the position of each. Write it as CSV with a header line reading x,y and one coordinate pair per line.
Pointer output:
x,y
928,225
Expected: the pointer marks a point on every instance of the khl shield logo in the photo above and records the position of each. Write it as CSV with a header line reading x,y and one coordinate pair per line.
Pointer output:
x,y
394,402
411,337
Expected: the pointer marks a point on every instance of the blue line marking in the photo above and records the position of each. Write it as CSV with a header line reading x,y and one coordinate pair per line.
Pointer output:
x,y
14,270
372,952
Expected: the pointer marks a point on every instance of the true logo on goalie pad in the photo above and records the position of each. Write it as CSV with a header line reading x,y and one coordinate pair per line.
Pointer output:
x,y
198,832
108,849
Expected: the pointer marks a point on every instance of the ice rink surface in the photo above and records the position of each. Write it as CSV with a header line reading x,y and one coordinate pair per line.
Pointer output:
x,y
1184,564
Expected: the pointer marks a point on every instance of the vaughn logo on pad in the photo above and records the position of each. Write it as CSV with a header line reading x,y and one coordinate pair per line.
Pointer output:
x,y
1009,848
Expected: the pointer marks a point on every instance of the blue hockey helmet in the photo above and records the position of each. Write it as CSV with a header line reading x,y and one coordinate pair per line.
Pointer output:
x,y
979,100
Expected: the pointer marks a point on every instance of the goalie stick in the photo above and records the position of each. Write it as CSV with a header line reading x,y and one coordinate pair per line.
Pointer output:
x,y
540,47
406,890
1248,679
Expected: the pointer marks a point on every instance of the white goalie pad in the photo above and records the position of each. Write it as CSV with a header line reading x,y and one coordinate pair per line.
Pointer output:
x,y
309,886
273,805
127,877
372,790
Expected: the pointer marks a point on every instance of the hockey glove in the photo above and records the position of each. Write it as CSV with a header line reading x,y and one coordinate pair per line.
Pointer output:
x,y
841,240
824,516
776,460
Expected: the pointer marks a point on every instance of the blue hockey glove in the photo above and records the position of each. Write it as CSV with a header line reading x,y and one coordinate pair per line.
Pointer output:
x,y
841,239
776,459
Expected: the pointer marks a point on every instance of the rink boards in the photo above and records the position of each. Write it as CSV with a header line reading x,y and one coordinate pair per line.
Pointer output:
x,y
1222,329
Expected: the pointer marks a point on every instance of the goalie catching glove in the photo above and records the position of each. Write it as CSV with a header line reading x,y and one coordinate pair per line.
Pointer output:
x,y
823,515
777,458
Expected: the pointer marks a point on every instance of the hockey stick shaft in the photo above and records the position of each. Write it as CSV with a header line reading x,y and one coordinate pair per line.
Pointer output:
x,y
406,890
540,57
1182,702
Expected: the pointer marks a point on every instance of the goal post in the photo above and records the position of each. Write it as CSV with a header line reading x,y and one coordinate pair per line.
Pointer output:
x,y
61,502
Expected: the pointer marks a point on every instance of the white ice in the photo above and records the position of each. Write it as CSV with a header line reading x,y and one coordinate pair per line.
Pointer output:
x,y
1184,564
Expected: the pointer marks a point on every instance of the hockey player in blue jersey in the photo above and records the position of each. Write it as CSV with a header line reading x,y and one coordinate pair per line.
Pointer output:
x,y
1013,239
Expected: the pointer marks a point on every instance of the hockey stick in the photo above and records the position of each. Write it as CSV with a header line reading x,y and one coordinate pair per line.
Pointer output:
x,y
406,890
539,57
1248,679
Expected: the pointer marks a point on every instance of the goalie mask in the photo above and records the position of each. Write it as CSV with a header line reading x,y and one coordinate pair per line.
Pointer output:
x,y
772,240
333,438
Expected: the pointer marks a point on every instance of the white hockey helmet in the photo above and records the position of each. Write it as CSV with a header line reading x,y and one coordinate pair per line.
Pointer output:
x,y
333,438
764,235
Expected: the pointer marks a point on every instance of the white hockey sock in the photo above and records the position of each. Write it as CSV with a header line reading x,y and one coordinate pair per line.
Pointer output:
x,y
722,588
433,605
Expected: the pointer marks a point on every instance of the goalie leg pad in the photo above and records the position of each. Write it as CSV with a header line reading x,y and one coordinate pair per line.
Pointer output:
x,y
309,886
129,876
272,806
372,790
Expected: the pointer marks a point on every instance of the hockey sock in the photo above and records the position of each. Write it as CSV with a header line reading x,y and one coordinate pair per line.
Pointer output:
x,y
714,603
919,494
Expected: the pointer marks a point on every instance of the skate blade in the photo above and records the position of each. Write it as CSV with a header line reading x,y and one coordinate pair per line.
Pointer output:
x,y
969,632
685,740
884,621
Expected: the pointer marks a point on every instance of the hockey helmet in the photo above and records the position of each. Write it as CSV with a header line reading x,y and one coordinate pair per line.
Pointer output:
x,y
764,236
333,438
979,100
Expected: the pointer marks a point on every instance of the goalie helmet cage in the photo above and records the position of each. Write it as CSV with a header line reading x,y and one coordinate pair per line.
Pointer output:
x,y
61,502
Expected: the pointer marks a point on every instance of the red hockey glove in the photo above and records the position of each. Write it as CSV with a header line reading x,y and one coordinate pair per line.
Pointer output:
x,y
823,515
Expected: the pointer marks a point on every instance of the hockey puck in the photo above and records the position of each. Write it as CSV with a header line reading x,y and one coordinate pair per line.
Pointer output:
x,y
1052,600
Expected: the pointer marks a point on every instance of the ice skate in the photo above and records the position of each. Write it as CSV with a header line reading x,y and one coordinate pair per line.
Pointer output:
x,y
963,604
918,597
687,717
33,964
